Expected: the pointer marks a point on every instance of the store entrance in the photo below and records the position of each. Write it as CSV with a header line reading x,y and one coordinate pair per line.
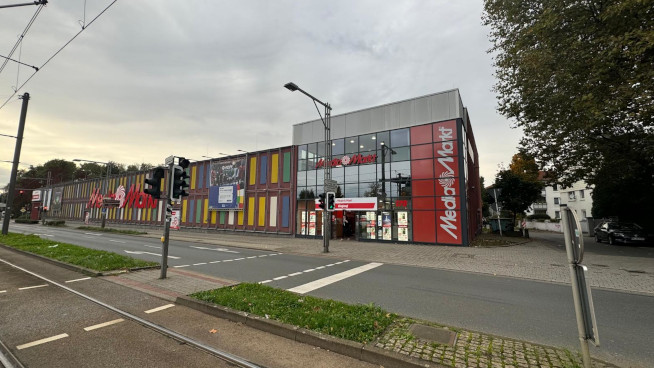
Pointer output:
x,y
344,225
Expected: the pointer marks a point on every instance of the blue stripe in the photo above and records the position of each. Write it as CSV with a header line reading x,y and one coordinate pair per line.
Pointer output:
x,y
263,171
191,212
200,171
286,206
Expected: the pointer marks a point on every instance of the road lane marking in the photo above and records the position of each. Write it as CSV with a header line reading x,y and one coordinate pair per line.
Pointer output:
x,y
182,266
94,234
153,254
252,257
3,291
265,281
280,278
100,325
152,246
32,287
215,249
228,260
159,308
309,270
199,264
42,341
238,259
215,262
295,274
320,268
117,241
82,279
303,289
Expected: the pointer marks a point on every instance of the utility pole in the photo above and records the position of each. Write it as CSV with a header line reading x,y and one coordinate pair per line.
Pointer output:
x,y
14,167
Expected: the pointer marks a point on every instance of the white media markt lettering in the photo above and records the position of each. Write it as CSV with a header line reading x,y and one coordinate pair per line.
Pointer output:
x,y
447,182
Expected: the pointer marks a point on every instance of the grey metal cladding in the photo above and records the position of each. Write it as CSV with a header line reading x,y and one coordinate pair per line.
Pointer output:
x,y
421,110
338,126
359,123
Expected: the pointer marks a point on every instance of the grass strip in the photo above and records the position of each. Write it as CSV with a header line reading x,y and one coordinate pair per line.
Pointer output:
x,y
109,230
361,323
97,260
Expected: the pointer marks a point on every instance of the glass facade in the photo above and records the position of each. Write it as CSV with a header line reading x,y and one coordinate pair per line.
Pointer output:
x,y
402,177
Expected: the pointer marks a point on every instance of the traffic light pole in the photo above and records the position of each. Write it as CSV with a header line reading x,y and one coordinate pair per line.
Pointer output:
x,y
327,216
14,167
169,205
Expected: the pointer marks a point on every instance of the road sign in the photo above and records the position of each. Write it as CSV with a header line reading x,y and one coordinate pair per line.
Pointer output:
x,y
170,160
331,185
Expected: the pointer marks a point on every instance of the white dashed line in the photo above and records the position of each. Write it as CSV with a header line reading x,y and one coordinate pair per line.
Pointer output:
x,y
94,234
32,287
239,259
82,279
42,341
215,262
320,268
160,308
303,289
252,257
295,274
329,265
182,266
280,277
117,241
152,246
199,264
228,260
309,270
95,327
265,281
3,291
265,255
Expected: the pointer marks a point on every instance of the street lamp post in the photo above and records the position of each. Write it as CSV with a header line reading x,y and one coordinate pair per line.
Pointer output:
x,y
327,167
106,184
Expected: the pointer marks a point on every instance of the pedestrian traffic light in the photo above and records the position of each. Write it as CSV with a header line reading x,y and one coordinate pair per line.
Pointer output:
x,y
331,201
155,183
321,201
179,185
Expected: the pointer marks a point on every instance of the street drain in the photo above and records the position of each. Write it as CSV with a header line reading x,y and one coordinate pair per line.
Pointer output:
x,y
433,334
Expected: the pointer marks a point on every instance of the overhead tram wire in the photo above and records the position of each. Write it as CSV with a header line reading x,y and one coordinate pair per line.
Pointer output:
x,y
22,36
56,53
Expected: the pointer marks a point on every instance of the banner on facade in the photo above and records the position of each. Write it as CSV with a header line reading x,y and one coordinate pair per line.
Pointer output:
x,y
227,184
57,195
174,220
352,204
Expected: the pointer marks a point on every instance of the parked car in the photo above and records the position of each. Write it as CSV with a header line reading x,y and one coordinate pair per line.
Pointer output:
x,y
621,232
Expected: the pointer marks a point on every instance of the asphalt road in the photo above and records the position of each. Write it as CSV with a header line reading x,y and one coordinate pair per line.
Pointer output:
x,y
540,312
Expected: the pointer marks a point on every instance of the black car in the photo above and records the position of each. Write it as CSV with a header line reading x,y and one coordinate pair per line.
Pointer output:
x,y
621,232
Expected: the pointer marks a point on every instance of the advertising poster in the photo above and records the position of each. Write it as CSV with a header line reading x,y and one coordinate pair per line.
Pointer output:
x,y
372,225
312,223
227,184
57,195
386,226
303,230
174,220
402,226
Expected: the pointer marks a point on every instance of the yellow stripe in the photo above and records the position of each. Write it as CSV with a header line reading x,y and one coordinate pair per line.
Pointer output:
x,y
205,218
253,171
262,211
193,174
240,217
275,168
251,211
183,217
213,217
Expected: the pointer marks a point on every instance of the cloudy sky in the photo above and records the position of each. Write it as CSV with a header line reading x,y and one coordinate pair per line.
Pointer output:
x,y
149,79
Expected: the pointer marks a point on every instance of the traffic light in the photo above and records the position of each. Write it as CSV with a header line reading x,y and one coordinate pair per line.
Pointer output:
x,y
331,201
321,201
179,185
155,183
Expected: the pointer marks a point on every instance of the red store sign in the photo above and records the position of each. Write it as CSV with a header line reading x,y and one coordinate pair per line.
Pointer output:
x,y
133,198
347,160
448,216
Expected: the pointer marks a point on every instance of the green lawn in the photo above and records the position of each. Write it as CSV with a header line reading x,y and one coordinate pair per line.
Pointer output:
x,y
361,323
97,260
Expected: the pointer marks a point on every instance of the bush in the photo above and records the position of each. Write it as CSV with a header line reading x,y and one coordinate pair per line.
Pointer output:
x,y
54,222
26,221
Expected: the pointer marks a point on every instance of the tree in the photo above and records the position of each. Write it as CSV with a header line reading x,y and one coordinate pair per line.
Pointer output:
x,y
518,193
578,78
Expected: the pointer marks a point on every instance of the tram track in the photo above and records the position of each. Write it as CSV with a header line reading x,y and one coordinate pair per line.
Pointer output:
x,y
223,355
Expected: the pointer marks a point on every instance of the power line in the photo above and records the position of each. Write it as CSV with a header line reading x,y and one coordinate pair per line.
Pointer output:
x,y
56,53
21,63
22,35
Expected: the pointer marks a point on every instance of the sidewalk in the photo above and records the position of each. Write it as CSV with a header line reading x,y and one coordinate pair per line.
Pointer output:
x,y
534,259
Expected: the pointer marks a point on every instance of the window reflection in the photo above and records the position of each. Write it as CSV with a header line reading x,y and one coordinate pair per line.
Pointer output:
x,y
338,147
351,145
367,142
400,137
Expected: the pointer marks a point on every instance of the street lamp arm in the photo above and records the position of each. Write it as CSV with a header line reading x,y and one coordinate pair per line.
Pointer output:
x,y
293,87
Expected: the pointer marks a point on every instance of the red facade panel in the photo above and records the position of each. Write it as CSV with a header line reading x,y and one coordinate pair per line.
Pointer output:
x,y
422,169
421,151
448,224
422,188
421,134
423,226
423,203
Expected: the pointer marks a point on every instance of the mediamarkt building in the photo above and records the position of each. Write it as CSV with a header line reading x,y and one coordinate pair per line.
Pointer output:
x,y
406,172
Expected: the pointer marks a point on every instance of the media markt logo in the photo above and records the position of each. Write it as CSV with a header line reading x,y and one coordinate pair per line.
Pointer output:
x,y
347,160
446,180
133,198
